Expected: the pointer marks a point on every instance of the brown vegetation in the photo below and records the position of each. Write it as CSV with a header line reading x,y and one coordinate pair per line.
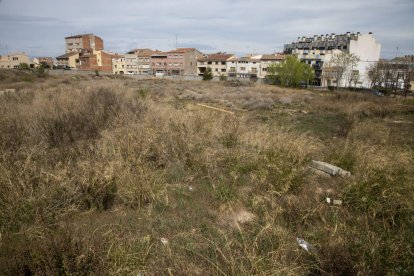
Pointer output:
x,y
94,172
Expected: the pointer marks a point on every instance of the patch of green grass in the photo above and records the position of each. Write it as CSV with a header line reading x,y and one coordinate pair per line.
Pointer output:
x,y
323,125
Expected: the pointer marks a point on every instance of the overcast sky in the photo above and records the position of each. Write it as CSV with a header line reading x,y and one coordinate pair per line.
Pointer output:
x,y
38,27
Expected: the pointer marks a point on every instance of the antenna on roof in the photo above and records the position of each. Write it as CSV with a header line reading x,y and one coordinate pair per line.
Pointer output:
x,y
176,41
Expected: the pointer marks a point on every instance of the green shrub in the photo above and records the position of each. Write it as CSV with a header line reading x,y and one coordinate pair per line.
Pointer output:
x,y
208,74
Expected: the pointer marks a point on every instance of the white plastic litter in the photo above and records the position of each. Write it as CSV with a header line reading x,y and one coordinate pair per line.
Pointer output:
x,y
337,202
164,241
304,244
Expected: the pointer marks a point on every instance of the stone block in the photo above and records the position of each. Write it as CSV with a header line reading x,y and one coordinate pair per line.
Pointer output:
x,y
329,169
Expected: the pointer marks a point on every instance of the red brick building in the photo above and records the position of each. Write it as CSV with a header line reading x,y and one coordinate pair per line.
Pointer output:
x,y
182,61
79,43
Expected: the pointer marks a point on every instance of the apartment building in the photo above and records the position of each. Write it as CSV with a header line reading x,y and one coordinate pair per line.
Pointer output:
x,y
118,65
144,59
131,64
266,61
244,67
217,63
182,61
13,60
317,49
70,60
79,43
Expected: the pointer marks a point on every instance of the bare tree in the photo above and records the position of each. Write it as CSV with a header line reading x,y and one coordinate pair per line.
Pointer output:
x,y
354,77
340,68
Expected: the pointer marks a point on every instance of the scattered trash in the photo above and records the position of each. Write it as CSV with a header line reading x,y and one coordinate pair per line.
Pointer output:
x,y
190,188
329,169
304,244
10,90
164,241
401,122
337,202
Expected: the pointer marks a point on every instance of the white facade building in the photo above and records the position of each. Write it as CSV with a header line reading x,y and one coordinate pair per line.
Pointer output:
x,y
131,64
217,63
317,50
119,65
245,67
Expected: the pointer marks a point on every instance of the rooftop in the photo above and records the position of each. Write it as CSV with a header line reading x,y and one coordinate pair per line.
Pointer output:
x,y
67,55
181,50
77,36
216,57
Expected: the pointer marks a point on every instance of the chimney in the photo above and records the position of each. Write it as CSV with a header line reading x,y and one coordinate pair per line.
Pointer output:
x,y
370,33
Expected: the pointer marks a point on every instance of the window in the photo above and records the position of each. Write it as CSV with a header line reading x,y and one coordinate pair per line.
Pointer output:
x,y
243,68
223,63
254,70
209,62
216,69
223,70
216,62
232,69
15,58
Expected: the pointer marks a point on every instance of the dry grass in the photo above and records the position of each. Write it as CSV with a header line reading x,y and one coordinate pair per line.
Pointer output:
x,y
94,172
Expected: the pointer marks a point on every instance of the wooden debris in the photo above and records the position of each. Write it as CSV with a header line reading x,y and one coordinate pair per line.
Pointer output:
x,y
215,108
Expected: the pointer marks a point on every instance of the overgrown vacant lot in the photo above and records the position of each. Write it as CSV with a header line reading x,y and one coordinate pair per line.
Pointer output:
x,y
118,176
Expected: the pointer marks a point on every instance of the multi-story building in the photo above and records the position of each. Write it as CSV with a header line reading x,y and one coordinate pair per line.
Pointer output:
x,y
217,63
182,61
144,59
245,67
316,50
96,60
118,65
266,61
79,43
131,64
12,61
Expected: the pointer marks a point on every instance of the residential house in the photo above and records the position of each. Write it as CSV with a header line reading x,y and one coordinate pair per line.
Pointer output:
x,y
217,63
245,67
182,61
314,50
266,61
131,64
144,59
12,61
118,65
68,60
